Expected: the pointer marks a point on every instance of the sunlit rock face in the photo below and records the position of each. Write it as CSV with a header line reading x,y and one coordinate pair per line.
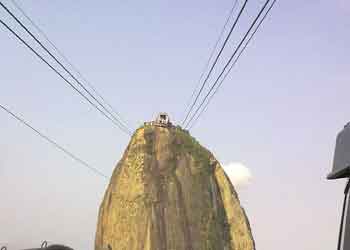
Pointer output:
x,y
170,193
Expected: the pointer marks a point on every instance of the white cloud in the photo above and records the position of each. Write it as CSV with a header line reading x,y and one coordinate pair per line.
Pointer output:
x,y
239,174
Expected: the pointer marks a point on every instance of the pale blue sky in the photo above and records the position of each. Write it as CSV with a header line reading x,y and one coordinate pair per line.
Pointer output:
x,y
278,112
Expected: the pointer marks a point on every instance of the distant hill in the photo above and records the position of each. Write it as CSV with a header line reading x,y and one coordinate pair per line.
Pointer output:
x,y
170,193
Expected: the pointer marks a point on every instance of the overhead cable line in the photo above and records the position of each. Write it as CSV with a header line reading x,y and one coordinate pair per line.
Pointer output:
x,y
65,79
116,120
79,83
229,61
232,65
211,55
216,60
54,143
69,62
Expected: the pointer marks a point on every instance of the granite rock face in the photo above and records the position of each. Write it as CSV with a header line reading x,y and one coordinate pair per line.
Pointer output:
x,y
170,193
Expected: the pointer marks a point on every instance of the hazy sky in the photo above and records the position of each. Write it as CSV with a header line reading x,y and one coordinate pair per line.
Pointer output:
x,y
278,112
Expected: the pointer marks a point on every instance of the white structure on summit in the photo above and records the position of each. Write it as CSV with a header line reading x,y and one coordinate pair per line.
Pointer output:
x,y
162,120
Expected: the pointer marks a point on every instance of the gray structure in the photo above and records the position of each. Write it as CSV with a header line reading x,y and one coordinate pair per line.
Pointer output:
x,y
44,246
162,120
341,162
345,237
341,169
52,247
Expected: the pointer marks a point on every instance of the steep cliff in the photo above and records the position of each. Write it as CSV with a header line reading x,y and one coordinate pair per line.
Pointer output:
x,y
170,193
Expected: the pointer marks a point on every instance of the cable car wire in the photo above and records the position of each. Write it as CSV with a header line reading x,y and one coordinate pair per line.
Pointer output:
x,y
66,70
232,65
229,61
69,62
79,83
211,55
65,79
216,60
54,143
